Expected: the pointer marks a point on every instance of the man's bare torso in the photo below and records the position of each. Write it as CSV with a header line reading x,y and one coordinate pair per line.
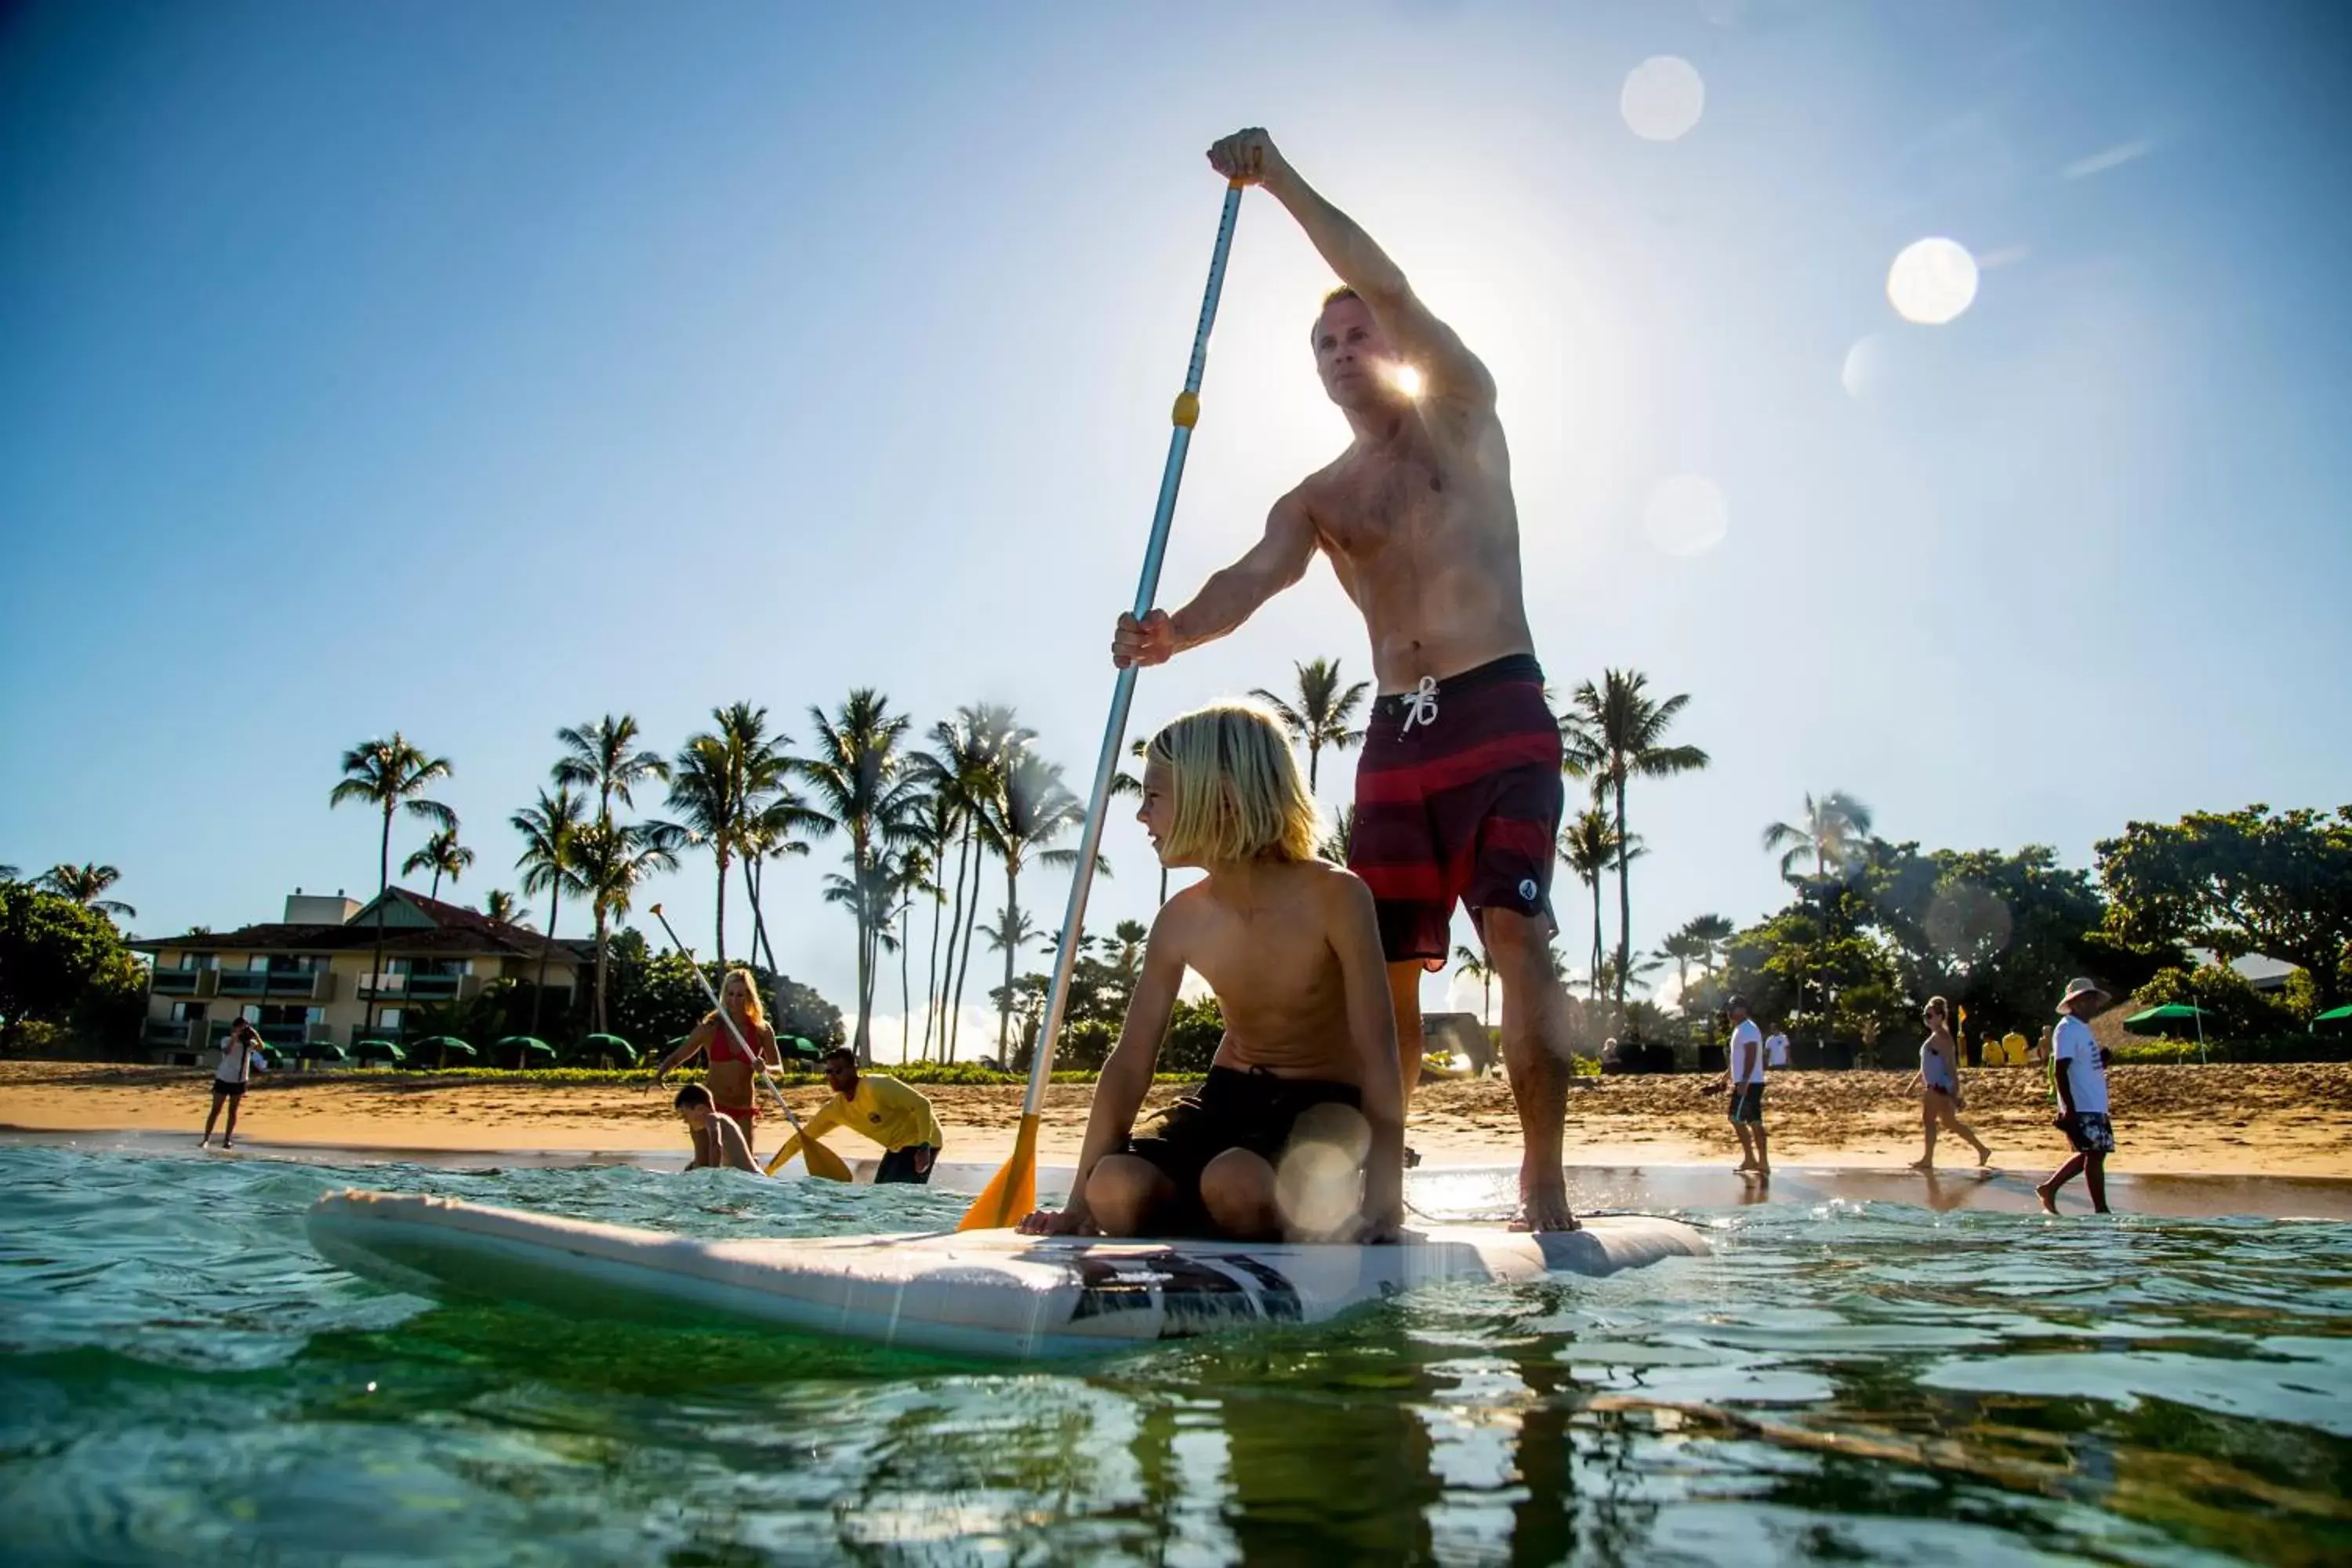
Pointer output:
x,y
1422,532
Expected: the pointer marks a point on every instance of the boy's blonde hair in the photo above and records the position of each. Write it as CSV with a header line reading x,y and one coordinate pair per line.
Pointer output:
x,y
751,986
1238,796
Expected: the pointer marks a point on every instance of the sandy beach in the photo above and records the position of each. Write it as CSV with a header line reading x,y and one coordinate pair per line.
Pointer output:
x,y
2289,1119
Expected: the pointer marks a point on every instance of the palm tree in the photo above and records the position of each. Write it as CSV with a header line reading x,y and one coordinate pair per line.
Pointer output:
x,y
1589,844
599,756
976,750
442,855
1682,949
1830,831
862,784
1613,733
391,775
1023,933
1473,964
1713,933
719,780
1324,708
910,877
85,885
1030,811
550,864
498,904
610,862
934,830
773,831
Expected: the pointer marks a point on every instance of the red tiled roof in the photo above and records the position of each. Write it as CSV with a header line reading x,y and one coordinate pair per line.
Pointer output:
x,y
455,933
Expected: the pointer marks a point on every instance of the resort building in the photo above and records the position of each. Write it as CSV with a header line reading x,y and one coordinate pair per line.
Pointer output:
x,y
311,979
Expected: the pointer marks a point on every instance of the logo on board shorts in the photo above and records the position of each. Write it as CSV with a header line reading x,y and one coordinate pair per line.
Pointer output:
x,y
1528,890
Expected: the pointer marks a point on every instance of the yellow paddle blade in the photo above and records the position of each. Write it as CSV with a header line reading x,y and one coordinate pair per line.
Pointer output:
x,y
824,1163
1012,1193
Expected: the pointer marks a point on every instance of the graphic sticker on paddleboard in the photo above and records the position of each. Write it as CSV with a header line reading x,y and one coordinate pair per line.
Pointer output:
x,y
1195,1295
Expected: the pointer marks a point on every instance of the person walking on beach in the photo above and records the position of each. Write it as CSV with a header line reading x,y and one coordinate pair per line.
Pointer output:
x,y
1458,790
230,1077
1939,1084
2078,1069
874,1106
1746,1078
1776,1048
733,1072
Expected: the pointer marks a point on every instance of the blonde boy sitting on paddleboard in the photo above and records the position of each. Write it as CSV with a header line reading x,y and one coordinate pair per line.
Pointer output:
x,y
1304,1088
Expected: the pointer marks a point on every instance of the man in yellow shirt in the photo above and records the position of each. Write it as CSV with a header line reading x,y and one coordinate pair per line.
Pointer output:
x,y
879,1107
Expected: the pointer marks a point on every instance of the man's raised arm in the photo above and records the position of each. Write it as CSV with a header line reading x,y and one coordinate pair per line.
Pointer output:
x,y
1229,598
1428,344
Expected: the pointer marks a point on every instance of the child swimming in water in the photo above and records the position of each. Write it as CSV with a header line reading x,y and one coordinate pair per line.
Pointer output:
x,y
1304,1096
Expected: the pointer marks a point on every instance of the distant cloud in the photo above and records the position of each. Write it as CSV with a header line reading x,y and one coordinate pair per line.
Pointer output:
x,y
2114,157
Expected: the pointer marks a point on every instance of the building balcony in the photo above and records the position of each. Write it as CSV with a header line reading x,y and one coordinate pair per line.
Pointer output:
x,y
182,982
293,985
161,1033
414,987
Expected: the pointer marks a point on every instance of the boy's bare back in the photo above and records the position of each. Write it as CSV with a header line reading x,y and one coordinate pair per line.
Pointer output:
x,y
1266,939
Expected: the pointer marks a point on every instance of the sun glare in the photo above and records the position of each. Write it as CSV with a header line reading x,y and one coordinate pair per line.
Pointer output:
x,y
1932,281
1406,379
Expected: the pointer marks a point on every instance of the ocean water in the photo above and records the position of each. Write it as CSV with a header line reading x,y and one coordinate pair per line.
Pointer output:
x,y
182,1380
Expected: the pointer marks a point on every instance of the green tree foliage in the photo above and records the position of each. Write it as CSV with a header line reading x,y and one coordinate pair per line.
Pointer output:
x,y
391,775
1194,1031
2279,884
87,885
63,963
443,855
654,999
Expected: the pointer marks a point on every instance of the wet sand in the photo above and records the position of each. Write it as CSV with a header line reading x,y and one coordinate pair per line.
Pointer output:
x,y
2245,1121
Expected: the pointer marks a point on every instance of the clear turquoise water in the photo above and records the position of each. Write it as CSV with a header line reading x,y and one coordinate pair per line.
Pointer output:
x,y
181,1380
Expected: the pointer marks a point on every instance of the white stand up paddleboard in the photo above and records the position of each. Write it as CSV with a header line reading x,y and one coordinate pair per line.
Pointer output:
x,y
994,1293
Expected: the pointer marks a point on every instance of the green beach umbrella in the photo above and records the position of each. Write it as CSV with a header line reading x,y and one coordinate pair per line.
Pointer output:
x,y
609,1046
2166,1021
321,1051
379,1050
795,1046
2335,1018
524,1048
447,1045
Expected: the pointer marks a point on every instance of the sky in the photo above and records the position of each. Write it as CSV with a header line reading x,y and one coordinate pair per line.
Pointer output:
x,y
474,371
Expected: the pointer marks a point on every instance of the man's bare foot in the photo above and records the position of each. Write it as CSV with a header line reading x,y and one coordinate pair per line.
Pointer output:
x,y
1545,1211
227,1141
2049,1197
1984,1156
1923,1165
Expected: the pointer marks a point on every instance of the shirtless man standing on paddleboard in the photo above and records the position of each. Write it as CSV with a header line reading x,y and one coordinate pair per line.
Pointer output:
x,y
1458,792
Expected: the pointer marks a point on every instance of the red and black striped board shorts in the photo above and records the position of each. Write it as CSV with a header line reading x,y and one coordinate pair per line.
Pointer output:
x,y
1458,800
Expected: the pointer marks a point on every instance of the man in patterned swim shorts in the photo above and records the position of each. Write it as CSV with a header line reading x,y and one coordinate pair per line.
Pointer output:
x,y
1459,795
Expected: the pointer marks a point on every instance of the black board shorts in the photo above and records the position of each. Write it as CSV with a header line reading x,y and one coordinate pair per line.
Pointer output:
x,y
898,1165
1747,1104
1252,1110
222,1088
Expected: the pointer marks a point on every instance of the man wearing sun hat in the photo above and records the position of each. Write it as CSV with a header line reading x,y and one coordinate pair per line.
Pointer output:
x,y
2078,1070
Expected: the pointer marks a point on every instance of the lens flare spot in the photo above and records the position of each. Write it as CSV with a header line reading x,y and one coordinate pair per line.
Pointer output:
x,y
1686,516
1932,281
1405,379
1865,366
1663,98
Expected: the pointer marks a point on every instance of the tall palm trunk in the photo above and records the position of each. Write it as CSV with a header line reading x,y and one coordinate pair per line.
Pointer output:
x,y
905,993
1624,900
382,887
435,893
604,951
1596,935
931,1009
718,938
1012,947
963,970
539,987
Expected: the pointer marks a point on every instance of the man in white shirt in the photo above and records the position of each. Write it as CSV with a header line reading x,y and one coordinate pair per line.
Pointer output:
x,y
240,1053
1776,1049
1747,1080
2078,1070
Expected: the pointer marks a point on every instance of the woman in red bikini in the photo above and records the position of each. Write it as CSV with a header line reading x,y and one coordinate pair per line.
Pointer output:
x,y
732,1070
